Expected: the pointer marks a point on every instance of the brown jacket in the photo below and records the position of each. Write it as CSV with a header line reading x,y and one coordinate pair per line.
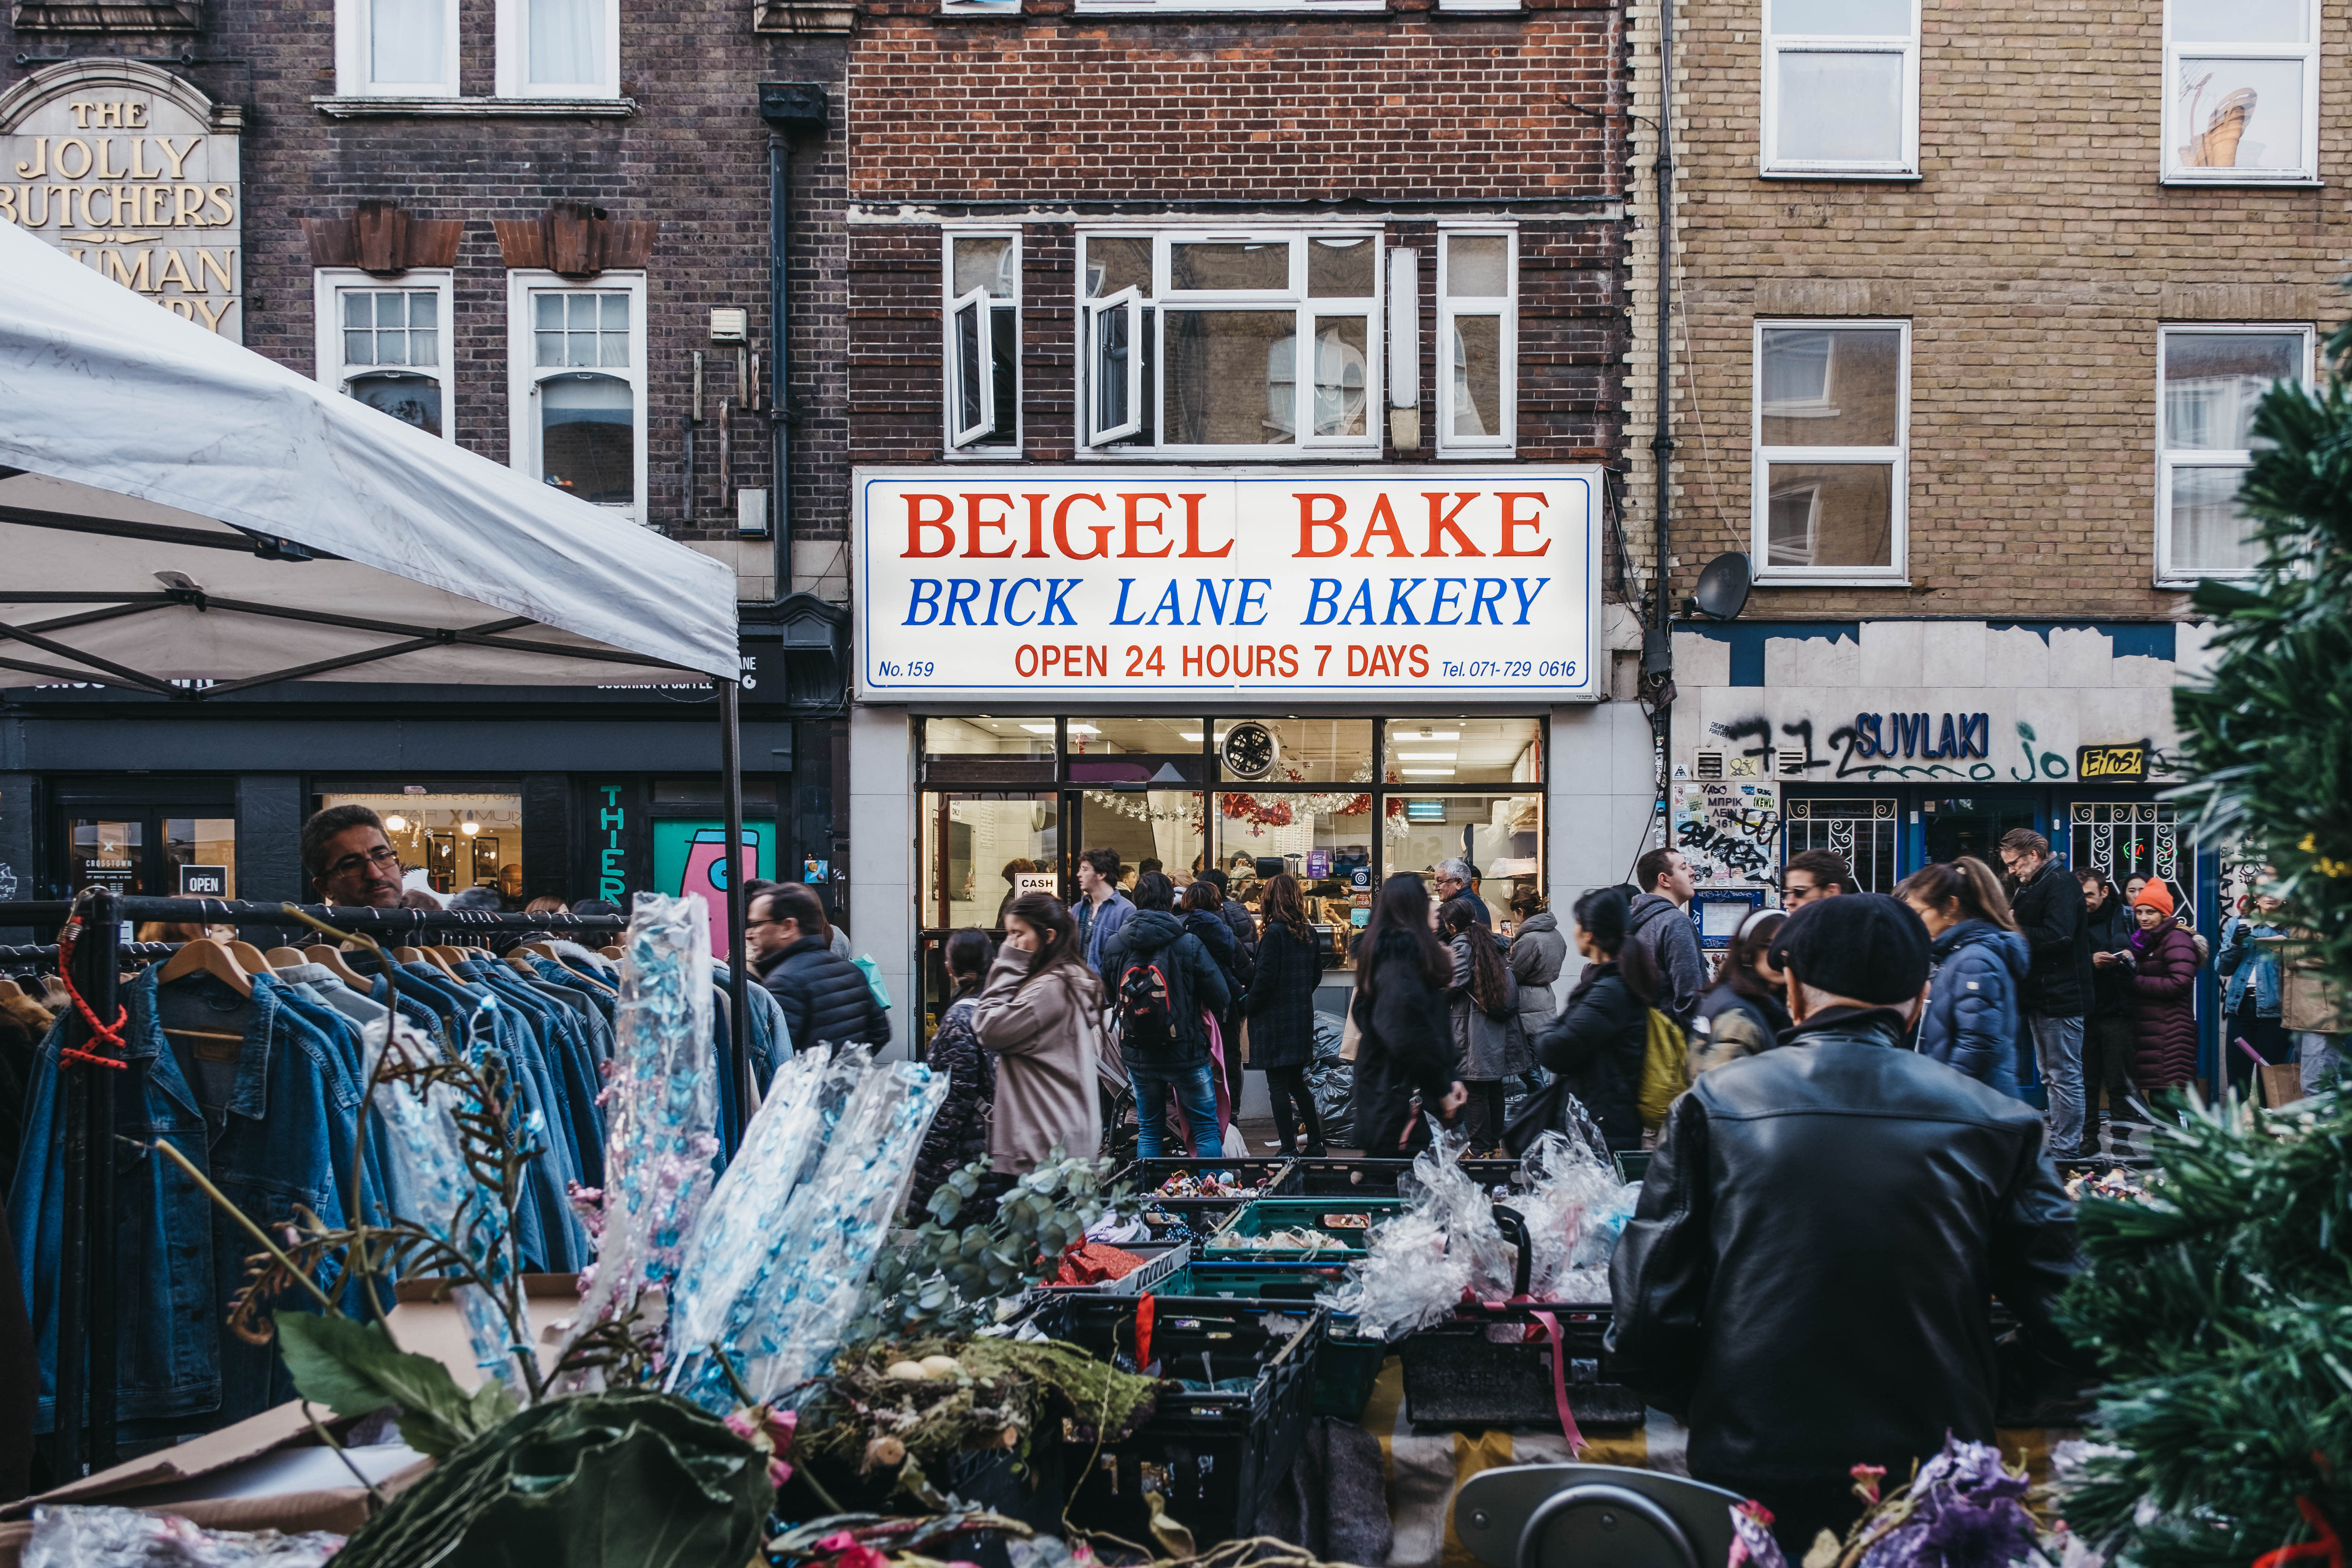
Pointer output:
x,y
1048,1034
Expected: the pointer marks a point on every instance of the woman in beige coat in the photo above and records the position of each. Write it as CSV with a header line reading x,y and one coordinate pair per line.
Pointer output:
x,y
1041,1014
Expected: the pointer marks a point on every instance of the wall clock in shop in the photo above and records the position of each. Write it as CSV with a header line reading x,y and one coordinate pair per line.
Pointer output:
x,y
1249,751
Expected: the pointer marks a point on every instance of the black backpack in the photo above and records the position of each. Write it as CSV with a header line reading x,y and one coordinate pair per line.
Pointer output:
x,y
1146,1017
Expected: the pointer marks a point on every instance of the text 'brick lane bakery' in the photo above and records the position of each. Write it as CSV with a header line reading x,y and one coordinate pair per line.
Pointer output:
x,y
1340,673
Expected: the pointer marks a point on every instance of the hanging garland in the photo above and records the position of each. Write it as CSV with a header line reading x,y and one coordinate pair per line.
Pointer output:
x,y
1140,809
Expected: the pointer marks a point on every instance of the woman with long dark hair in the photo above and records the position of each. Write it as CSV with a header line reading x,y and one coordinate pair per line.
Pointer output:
x,y
1597,1043
959,1133
1201,906
1978,965
1747,1007
1281,1011
1482,1004
1405,1043
1041,1013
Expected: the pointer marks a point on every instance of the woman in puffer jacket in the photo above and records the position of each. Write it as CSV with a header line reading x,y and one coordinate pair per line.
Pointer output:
x,y
2164,985
1978,962
959,1133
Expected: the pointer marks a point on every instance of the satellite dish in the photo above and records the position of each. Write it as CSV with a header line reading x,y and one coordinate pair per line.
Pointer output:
x,y
1722,591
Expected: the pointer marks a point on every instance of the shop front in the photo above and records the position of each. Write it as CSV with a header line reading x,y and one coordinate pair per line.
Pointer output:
x,y
1341,675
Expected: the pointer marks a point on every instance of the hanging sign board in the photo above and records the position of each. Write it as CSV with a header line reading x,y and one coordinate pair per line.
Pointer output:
x,y
204,881
1459,583
1027,883
134,173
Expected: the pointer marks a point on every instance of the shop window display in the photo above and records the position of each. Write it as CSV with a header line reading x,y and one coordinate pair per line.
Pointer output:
x,y
456,840
1501,834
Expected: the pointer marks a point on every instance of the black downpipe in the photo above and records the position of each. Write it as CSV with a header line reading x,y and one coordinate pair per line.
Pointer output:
x,y
1659,663
788,107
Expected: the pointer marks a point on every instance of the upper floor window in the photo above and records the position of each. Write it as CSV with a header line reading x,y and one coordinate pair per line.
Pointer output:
x,y
1204,342
1831,434
1842,88
2212,377
559,48
2241,100
983,349
576,396
387,344
396,49
1477,328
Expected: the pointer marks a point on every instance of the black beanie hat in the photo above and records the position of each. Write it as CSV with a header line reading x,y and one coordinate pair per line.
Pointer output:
x,y
1863,945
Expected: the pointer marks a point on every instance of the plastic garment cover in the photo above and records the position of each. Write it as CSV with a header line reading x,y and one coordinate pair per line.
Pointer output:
x,y
661,1107
126,1538
1444,1241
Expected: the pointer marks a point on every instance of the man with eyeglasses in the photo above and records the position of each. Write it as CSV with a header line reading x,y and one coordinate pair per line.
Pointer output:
x,y
1814,873
348,858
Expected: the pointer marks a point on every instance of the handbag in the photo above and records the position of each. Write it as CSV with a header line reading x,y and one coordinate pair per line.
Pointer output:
x,y
864,963
1351,1034
1538,1114
1665,1069
1242,1043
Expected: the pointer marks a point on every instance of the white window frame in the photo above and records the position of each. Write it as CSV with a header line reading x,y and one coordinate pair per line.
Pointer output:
x,y
1449,445
513,56
2306,172
1771,164
2168,460
329,284
524,374
1149,314
1318,6
1896,572
964,444
354,34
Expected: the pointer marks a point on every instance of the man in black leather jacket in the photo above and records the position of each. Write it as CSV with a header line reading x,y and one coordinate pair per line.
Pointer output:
x,y
1808,1278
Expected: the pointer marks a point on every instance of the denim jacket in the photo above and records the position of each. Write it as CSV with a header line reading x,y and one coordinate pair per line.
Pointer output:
x,y
273,1129
2243,962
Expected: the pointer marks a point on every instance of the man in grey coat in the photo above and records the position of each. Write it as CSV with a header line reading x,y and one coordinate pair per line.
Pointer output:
x,y
1660,925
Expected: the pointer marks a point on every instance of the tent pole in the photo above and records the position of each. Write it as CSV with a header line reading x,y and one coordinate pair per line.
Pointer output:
x,y
730,768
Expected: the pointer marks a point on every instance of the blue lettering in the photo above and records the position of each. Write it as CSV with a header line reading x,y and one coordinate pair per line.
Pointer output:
x,y
1010,618
925,598
1118,616
1946,746
1213,598
1361,604
1253,597
962,591
1323,594
1055,588
1489,599
996,591
1448,588
1527,596
1169,605
1401,613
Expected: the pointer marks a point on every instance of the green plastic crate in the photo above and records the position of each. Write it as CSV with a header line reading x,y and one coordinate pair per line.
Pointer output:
x,y
1346,1369
1268,1217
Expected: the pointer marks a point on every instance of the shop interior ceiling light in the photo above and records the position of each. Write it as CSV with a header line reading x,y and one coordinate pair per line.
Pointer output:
x,y
396,823
1428,756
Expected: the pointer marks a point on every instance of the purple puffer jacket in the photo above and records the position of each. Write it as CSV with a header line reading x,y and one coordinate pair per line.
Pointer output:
x,y
2164,1007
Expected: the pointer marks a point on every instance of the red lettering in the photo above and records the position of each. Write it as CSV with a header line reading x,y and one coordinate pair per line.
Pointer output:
x,y
1037,551
1420,660
1098,659
918,522
1440,521
976,523
1061,527
1325,649
1024,660
1289,660
1135,525
1049,660
1074,658
1309,524
1384,524
1513,523
1356,664
1218,665
1192,529
1261,660
1191,664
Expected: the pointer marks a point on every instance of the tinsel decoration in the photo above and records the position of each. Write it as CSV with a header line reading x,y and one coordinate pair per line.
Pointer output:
x,y
2221,1311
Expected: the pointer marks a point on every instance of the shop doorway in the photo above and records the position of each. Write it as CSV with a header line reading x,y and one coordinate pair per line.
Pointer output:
x,y
1955,825
155,851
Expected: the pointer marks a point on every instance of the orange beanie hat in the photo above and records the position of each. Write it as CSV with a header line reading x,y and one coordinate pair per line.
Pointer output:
x,y
2158,896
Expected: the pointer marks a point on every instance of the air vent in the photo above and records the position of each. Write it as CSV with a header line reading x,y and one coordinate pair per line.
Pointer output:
x,y
1787,764
1707,763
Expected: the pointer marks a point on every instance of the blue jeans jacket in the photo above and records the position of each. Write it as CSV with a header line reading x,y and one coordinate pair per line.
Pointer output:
x,y
279,1135
2247,964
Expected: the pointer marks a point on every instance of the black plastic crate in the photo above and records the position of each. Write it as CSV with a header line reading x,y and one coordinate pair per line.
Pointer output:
x,y
1339,1177
1347,1366
1272,1178
1456,1376
1213,1454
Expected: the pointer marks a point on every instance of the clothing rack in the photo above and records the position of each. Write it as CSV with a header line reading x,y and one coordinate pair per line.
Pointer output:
x,y
35,958
88,1337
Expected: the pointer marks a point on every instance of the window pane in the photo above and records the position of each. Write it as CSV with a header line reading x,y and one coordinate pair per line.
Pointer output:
x,y
1137,751
588,437
359,348
424,347
1831,514
2239,114
1342,364
971,366
549,312
550,350
424,309
984,264
1111,352
1259,265
1500,834
2240,21
567,41
1230,377
411,399
974,848
1463,751
580,349
1478,376
2209,532
1840,108
1852,19
1341,269
391,310
1305,751
1832,388
615,311
1113,265
391,348
2213,380
1030,739
1478,265
405,41
359,309
1324,850
1004,326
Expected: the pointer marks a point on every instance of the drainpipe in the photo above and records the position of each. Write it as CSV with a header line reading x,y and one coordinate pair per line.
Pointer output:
x,y
1657,651
789,107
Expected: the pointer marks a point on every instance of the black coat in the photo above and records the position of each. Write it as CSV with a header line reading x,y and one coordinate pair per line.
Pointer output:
x,y
1596,1044
1217,937
1281,1004
825,998
959,1133
1405,1044
1805,1281
1194,982
2111,930
2049,909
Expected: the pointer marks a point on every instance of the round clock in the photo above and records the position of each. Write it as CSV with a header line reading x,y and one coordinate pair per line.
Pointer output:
x,y
1249,751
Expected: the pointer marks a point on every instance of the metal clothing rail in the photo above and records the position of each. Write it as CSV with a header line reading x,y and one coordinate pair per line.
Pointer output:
x,y
89,1333
17,959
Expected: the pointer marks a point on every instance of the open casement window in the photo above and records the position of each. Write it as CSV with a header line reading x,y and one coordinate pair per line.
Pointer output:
x,y
2242,92
388,343
2211,379
396,49
1831,435
1842,88
559,48
982,351
1478,336
1206,342
577,399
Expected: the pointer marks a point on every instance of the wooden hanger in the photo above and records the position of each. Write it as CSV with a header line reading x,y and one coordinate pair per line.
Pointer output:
x,y
613,953
284,958
407,955
9,989
332,959
207,955
249,956
544,949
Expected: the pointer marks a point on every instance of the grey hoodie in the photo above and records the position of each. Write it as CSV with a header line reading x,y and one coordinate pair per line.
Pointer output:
x,y
1661,928
1538,952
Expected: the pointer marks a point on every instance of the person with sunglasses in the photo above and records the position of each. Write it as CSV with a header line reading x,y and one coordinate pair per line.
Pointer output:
x,y
348,858
1814,873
